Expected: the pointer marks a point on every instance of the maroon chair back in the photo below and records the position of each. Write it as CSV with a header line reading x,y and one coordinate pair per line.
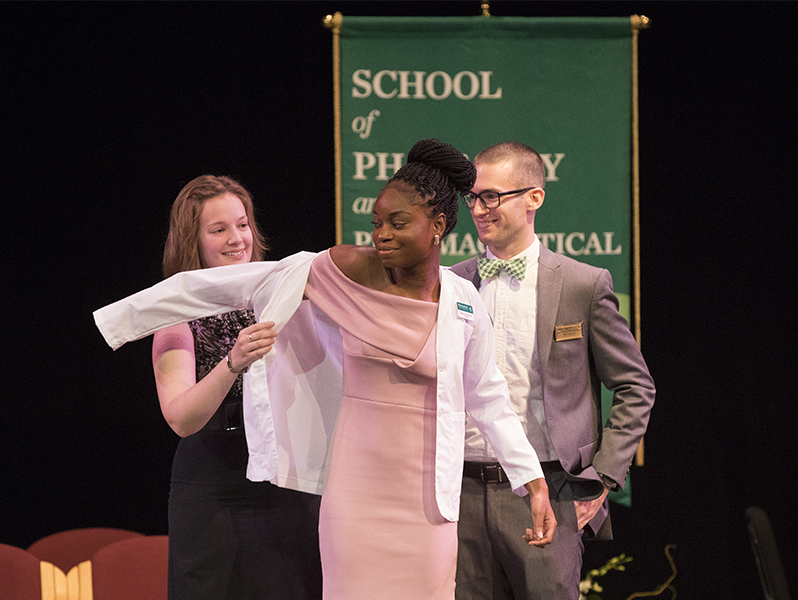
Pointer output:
x,y
66,549
132,569
20,577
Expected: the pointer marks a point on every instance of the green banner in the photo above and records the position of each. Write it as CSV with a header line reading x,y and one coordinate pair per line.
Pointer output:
x,y
563,86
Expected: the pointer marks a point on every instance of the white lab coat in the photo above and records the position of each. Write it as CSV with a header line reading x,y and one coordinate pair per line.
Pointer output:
x,y
292,396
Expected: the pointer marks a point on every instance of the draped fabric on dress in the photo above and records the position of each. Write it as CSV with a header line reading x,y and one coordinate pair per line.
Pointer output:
x,y
381,533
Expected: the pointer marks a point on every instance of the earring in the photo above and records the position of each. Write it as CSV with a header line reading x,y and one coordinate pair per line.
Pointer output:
x,y
436,240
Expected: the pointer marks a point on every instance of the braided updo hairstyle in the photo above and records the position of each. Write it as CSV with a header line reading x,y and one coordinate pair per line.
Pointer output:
x,y
438,171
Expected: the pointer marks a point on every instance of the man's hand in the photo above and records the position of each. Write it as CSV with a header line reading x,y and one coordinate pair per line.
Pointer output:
x,y
543,519
587,510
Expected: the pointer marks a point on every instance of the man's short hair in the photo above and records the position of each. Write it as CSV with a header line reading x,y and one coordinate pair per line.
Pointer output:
x,y
528,167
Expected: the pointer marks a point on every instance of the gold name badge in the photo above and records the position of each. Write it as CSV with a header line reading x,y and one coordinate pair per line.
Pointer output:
x,y
564,333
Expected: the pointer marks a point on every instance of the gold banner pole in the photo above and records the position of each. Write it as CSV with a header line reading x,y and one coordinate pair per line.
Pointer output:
x,y
638,23
335,22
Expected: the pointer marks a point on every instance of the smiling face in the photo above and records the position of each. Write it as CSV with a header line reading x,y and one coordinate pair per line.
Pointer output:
x,y
509,228
224,234
404,232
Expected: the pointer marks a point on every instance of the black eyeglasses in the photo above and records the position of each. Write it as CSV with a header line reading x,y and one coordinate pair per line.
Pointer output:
x,y
491,199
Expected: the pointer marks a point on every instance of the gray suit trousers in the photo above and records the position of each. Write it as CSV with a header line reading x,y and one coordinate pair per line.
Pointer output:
x,y
494,561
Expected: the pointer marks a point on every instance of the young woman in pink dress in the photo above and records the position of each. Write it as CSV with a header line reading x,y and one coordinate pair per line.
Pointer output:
x,y
382,533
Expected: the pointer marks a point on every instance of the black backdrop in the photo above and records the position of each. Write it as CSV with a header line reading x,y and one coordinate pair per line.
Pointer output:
x,y
109,108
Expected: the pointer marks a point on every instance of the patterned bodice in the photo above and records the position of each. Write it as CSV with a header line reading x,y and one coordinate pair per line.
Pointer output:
x,y
213,339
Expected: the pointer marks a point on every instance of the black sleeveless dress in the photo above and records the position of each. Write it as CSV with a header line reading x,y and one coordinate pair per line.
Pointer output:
x,y
230,537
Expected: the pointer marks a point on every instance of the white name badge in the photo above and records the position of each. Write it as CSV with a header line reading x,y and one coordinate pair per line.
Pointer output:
x,y
465,311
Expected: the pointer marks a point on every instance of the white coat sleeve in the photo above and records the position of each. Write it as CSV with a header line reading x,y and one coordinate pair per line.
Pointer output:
x,y
195,294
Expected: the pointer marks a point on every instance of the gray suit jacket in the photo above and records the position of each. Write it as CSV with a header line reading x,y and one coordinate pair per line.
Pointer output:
x,y
574,362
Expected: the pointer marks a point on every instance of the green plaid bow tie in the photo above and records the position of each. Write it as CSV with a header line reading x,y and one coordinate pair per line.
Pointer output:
x,y
516,267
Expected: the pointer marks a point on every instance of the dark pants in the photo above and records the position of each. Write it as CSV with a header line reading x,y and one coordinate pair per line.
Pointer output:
x,y
231,538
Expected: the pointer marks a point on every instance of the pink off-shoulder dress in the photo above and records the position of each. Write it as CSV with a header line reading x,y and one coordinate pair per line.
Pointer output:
x,y
381,534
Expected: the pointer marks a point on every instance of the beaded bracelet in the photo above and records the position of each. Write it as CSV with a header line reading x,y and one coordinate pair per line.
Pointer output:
x,y
230,365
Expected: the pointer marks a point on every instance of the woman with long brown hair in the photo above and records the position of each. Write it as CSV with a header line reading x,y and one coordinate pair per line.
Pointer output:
x,y
228,537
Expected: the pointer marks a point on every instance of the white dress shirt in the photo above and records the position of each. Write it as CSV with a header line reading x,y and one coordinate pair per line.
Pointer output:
x,y
512,306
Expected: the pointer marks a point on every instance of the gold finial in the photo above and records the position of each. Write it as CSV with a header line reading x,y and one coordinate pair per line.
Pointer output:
x,y
333,22
640,22
486,9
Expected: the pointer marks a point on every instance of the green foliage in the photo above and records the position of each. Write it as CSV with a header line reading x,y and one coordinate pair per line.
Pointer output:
x,y
589,589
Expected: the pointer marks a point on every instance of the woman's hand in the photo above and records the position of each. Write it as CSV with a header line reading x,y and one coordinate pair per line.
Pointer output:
x,y
543,519
253,343
187,404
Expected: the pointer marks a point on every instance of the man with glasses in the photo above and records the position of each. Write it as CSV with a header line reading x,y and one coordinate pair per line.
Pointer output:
x,y
559,336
